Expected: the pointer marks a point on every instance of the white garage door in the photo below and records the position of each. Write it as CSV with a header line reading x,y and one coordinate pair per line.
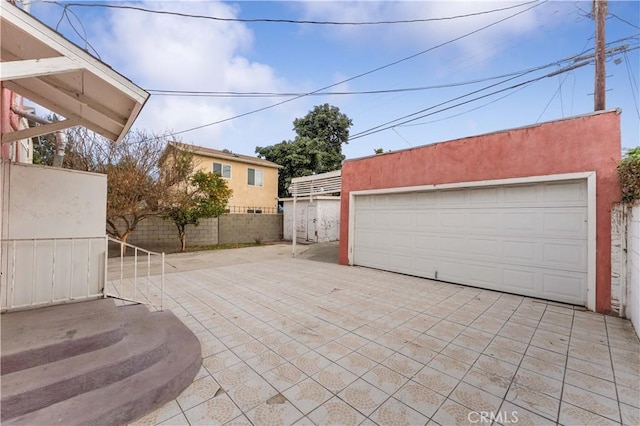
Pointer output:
x,y
524,239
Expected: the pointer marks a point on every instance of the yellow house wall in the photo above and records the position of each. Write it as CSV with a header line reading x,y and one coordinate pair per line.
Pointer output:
x,y
245,195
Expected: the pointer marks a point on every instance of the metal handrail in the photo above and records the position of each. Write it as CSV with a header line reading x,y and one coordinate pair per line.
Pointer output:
x,y
123,245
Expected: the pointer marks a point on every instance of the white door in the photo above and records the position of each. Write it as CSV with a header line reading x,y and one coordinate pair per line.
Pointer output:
x,y
525,239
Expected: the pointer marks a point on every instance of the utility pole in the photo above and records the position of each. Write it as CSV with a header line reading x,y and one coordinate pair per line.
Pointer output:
x,y
599,14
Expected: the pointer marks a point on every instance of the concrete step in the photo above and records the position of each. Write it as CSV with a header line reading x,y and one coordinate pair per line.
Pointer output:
x,y
143,345
134,396
39,336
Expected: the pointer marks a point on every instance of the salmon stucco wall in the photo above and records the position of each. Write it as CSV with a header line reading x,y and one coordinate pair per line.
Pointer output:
x,y
578,144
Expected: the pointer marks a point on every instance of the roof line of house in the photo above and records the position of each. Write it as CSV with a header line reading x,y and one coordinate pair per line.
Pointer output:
x,y
214,153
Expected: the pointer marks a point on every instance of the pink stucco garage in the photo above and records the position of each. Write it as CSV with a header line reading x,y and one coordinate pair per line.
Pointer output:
x,y
524,211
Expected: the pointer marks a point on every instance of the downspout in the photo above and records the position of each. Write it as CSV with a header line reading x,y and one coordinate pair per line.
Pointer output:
x,y
60,140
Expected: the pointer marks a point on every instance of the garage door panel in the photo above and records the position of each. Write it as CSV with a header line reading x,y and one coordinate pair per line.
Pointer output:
x,y
425,244
482,221
565,192
520,195
519,281
524,239
483,196
426,199
401,240
485,275
402,200
522,222
452,197
567,223
565,254
482,246
520,251
564,286
451,219
452,244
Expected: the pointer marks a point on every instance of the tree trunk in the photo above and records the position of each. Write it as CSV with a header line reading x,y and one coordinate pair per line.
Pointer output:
x,y
123,247
183,240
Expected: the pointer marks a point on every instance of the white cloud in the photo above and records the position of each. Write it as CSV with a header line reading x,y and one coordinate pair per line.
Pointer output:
x,y
486,43
168,52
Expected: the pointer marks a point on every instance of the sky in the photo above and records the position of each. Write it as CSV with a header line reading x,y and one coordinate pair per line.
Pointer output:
x,y
476,74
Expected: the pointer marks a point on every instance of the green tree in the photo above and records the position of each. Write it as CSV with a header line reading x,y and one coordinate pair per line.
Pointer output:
x,y
206,195
317,147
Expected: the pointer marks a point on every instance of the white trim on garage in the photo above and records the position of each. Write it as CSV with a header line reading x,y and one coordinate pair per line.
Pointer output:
x,y
590,178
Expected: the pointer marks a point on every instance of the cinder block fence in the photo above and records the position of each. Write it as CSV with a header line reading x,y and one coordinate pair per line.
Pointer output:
x,y
155,233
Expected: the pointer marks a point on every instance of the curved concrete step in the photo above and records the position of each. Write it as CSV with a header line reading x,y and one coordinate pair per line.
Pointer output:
x,y
39,336
136,395
144,344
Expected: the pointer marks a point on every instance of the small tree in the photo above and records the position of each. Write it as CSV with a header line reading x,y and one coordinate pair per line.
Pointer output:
x,y
206,196
136,186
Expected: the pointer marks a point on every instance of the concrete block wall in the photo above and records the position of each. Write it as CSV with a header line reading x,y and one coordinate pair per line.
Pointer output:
x,y
154,233
247,228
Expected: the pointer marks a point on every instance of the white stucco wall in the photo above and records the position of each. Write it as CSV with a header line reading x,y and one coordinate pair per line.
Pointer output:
x,y
618,258
41,204
47,202
326,212
633,268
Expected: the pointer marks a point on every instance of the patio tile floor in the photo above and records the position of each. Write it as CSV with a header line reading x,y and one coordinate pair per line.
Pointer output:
x,y
292,341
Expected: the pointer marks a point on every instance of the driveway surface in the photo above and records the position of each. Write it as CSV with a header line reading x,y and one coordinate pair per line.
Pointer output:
x,y
297,341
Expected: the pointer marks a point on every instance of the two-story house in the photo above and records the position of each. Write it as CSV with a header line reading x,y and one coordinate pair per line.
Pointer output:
x,y
254,181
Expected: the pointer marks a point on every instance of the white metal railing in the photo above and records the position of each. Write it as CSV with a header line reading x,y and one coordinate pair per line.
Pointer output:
x,y
43,271
126,285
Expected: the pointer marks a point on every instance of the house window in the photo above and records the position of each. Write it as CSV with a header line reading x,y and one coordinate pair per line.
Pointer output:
x,y
254,177
223,170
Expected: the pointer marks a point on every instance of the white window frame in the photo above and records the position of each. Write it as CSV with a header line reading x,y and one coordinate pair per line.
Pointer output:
x,y
256,172
222,169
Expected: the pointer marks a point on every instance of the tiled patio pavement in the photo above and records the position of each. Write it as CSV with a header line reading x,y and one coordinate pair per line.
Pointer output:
x,y
293,341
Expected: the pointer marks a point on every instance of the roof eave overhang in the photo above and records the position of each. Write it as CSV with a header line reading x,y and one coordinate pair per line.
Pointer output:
x,y
44,67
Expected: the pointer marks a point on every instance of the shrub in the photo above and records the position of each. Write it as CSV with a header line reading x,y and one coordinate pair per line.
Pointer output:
x,y
629,176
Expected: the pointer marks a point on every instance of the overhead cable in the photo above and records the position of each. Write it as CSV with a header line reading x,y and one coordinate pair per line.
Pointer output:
x,y
284,21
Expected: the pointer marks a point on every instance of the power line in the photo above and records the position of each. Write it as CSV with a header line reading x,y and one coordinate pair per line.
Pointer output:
x,y
381,127
389,124
232,94
285,21
364,73
558,90
623,20
632,82
467,111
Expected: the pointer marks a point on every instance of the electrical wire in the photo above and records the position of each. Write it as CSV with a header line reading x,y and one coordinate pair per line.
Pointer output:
x,y
632,82
558,90
469,110
389,124
286,21
623,20
237,94
189,93
381,128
